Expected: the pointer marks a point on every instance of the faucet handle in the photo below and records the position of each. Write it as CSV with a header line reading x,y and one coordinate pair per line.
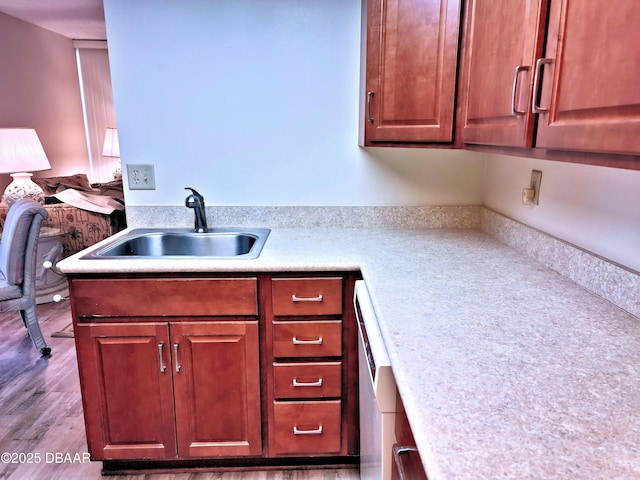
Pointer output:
x,y
195,192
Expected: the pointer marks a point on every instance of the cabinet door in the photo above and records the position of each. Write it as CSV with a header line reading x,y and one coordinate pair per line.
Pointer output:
x,y
411,66
217,388
127,390
590,88
504,39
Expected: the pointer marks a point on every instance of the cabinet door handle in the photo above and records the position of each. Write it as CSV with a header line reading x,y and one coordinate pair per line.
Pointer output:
x,y
400,450
163,367
317,431
535,108
177,360
369,117
317,383
295,298
514,92
318,341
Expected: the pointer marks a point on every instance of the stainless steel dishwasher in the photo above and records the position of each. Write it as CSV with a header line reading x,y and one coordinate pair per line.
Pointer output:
x,y
377,392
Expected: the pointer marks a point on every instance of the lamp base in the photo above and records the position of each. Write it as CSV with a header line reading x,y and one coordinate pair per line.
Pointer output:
x,y
22,187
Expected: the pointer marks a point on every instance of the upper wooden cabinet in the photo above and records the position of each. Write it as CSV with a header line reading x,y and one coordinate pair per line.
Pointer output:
x,y
504,39
411,68
590,100
578,94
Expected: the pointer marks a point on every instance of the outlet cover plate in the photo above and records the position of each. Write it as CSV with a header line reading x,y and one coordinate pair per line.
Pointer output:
x,y
141,177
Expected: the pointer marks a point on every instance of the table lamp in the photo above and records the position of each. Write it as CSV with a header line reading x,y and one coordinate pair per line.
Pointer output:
x,y
21,152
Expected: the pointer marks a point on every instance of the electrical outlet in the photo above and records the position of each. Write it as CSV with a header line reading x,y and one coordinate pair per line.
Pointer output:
x,y
141,177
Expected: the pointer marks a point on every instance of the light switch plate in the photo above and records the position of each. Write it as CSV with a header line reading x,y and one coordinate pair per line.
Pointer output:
x,y
531,195
141,177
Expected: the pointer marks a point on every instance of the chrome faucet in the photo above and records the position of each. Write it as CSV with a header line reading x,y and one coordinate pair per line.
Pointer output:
x,y
196,201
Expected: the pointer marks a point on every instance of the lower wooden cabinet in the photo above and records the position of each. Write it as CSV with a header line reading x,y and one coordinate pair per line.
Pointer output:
x,y
167,390
406,463
312,382
179,369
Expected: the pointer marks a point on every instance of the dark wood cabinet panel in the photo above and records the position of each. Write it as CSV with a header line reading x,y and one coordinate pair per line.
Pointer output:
x,y
590,87
307,380
127,390
186,297
411,70
307,296
307,339
216,373
307,427
503,41
556,75
146,384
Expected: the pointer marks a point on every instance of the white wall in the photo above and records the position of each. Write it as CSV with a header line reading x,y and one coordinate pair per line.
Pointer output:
x,y
595,208
255,102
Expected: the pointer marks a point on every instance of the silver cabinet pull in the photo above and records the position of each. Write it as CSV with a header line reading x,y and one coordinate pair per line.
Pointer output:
x,y
175,351
295,341
163,367
317,383
535,108
296,298
514,92
369,117
397,451
317,431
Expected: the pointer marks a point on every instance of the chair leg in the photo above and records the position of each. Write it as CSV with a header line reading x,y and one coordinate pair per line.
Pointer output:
x,y
30,319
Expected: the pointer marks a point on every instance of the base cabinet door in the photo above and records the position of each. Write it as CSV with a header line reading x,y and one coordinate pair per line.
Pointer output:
x,y
217,389
127,390
166,391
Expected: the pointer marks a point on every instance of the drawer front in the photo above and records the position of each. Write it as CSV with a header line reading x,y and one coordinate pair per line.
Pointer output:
x,y
164,297
307,427
307,380
307,339
307,296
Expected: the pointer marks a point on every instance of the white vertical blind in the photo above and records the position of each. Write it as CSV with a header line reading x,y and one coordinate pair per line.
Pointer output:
x,y
95,75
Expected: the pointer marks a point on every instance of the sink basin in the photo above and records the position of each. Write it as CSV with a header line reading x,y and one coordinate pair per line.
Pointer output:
x,y
180,243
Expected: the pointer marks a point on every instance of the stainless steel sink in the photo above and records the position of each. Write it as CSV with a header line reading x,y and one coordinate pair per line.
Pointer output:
x,y
180,243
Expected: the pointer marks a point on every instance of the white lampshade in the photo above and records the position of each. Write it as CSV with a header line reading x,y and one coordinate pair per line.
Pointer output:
x,y
21,152
111,146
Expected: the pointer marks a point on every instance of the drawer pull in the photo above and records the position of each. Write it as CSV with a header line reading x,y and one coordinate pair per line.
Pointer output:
x,y
317,431
306,342
317,383
398,451
296,298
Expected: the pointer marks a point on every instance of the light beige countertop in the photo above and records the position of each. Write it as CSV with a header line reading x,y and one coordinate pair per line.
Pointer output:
x,y
506,368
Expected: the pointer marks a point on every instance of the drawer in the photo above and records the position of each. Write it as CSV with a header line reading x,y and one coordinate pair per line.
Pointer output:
x,y
307,380
307,296
164,297
311,427
307,339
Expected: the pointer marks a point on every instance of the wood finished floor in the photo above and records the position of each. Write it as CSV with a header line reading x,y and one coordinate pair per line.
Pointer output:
x,y
41,412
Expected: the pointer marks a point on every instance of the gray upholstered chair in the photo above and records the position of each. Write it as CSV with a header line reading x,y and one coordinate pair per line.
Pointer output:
x,y
18,266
